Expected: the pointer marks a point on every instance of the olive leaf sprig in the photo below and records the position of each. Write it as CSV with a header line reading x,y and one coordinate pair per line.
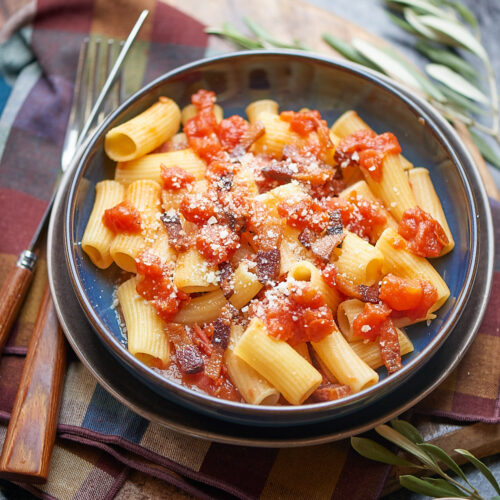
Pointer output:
x,y
430,457
262,39
442,29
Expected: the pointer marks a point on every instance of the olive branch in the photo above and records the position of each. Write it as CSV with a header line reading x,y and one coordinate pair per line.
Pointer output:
x,y
444,31
431,458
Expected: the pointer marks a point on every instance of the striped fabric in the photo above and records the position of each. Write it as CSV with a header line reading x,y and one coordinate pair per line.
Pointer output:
x,y
99,440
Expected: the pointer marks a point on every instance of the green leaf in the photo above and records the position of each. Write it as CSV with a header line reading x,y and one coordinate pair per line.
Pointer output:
x,y
481,467
433,488
447,58
456,82
485,149
403,442
264,35
230,32
347,50
386,63
374,451
407,430
496,497
465,13
402,24
424,31
425,83
423,6
455,32
444,457
460,102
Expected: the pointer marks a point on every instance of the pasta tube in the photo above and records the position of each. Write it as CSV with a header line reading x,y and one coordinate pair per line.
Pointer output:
x,y
147,340
401,262
359,261
149,166
347,367
97,238
143,133
278,363
202,309
428,200
350,122
254,388
369,352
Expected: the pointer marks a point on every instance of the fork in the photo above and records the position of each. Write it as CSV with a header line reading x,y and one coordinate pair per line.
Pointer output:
x,y
32,428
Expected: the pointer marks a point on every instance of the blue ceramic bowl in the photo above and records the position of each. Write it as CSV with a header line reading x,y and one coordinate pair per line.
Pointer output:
x,y
295,80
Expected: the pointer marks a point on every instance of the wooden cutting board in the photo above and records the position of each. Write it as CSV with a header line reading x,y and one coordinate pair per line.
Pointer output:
x,y
288,20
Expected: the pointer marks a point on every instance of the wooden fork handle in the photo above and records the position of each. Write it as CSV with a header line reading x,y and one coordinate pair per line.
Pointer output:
x,y
13,291
32,428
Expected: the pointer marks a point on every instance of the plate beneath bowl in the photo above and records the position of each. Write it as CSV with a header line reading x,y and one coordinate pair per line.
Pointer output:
x,y
294,79
138,396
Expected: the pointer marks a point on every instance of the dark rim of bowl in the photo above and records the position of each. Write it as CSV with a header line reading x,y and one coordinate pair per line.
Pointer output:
x,y
449,144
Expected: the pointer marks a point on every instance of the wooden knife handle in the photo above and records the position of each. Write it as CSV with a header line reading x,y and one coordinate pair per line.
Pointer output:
x,y
13,291
32,428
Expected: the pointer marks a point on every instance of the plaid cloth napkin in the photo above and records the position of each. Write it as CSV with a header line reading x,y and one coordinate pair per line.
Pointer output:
x,y
100,441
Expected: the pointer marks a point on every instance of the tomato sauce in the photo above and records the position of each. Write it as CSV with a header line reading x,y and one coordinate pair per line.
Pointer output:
x,y
425,236
401,294
305,213
175,178
230,131
198,208
217,243
360,216
367,324
156,286
304,122
368,150
122,218
302,316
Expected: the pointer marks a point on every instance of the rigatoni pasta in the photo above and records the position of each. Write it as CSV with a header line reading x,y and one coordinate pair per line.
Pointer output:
x,y
144,132
261,267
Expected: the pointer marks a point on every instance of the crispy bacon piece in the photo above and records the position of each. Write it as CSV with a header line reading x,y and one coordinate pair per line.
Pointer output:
x,y
389,347
190,359
201,337
369,293
307,237
214,365
324,246
310,168
335,227
226,278
177,237
278,171
221,334
237,223
225,182
254,132
268,265
330,392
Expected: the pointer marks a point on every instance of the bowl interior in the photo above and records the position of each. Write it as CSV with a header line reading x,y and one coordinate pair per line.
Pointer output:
x,y
295,81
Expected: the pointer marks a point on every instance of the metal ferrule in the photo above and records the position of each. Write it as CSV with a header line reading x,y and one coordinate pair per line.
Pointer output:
x,y
26,260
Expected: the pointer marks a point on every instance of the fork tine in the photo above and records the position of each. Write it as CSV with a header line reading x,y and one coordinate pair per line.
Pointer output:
x,y
75,120
122,91
108,61
93,76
